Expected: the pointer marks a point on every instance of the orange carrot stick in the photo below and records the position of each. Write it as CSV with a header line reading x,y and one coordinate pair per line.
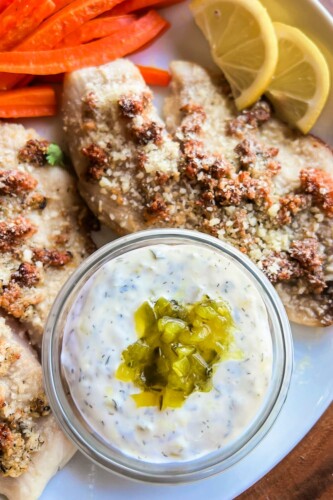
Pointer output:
x,y
60,4
4,4
26,111
31,101
155,76
64,22
133,5
92,30
14,28
29,96
97,28
19,19
12,16
54,29
152,76
130,39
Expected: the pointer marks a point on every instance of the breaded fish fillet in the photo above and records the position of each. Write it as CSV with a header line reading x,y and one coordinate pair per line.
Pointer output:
x,y
42,238
32,446
113,126
245,178
277,205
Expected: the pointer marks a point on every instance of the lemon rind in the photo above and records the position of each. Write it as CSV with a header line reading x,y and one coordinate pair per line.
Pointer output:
x,y
265,74
321,69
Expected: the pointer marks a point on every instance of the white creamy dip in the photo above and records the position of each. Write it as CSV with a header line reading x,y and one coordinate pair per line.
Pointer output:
x,y
101,325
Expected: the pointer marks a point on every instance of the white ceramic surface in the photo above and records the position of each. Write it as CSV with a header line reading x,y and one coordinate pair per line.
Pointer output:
x,y
312,383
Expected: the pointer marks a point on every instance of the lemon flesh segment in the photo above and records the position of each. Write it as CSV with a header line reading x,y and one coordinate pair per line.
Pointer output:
x,y
243,44
301,82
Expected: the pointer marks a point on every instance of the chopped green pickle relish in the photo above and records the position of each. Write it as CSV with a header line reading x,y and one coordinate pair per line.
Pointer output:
x,y
178,348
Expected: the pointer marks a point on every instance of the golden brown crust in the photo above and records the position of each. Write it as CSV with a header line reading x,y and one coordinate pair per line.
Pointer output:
x,y
97,161
26,275
149,132
15,300
291,205
34,152
319,185
12,232
131,105
242,177
54,258
13,182
19,434
251,118
41,235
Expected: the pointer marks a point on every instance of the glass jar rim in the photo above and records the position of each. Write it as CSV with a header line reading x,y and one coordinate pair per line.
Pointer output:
x,y
177,472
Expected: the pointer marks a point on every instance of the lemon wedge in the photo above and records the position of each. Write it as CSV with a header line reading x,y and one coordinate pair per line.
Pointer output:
x,y
243,44
301,82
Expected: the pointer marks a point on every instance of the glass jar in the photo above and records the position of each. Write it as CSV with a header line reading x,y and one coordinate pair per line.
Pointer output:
x,y
91,444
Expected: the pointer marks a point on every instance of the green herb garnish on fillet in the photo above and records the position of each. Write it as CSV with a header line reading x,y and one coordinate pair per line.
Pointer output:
x,y
54,155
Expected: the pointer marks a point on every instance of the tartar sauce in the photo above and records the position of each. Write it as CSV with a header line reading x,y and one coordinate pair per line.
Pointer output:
x,y
100,326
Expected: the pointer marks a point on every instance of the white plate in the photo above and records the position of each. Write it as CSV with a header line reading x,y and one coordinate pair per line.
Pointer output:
x,y
311,388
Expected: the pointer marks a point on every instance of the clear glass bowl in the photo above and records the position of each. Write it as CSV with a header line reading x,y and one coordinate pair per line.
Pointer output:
x,y
71,421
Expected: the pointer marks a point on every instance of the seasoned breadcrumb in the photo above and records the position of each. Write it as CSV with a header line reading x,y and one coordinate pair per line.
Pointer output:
x,y
41,236
243,177
31,446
